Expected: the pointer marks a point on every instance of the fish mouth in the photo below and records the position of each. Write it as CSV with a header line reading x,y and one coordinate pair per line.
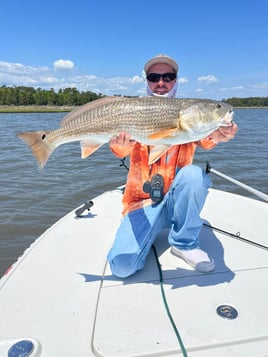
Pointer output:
x,y
227,120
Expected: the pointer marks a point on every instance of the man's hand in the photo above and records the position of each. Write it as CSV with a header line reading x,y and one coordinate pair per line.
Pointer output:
x,y
122,140
122,144
224,133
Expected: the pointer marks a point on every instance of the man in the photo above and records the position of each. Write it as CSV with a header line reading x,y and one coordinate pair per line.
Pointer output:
x,y
185,188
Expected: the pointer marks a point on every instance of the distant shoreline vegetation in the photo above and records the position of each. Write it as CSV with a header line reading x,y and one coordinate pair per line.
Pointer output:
x,y
23,99
28,99
250,102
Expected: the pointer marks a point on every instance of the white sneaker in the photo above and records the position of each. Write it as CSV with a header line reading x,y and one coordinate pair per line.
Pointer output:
x,y
196,258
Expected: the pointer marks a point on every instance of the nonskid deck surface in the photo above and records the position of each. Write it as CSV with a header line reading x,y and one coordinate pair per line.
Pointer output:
x,y
238,282
57,292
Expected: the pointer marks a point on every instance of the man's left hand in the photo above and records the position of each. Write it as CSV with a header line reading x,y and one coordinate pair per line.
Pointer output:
x,y
224,133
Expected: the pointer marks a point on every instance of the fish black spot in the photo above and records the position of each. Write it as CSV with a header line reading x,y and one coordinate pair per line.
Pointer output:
x,y
43,136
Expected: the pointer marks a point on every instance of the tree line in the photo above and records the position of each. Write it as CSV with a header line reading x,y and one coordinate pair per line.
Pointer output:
x,y
22,95
30,96
248,102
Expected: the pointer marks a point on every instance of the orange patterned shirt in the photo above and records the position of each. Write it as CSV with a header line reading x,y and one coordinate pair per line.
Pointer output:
x,y
140,171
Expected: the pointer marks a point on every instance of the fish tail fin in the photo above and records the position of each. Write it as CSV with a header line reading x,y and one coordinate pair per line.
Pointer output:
x,y
40,146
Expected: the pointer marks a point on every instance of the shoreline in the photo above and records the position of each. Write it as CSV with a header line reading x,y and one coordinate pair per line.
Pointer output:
x,y
35,108
59,109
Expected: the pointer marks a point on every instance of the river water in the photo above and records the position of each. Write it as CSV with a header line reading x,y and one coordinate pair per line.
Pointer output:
x,y
32,200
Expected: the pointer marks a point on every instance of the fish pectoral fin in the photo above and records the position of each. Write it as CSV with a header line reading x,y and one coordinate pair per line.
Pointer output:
x,y
187,115
167,133
88,147
156,152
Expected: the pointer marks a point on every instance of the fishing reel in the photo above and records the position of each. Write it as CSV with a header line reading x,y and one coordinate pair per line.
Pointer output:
x,y
155,188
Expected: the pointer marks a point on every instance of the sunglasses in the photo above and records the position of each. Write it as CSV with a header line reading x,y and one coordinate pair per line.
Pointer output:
x,y
166,77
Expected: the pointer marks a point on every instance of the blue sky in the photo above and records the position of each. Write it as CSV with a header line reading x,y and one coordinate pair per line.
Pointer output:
x,y
102,45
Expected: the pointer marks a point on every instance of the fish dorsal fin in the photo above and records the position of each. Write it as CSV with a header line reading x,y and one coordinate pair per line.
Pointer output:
x,y
86,107
88,147
167,133
156,152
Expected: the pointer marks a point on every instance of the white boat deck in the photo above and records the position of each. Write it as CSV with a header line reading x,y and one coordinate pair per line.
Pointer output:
x,y
62,297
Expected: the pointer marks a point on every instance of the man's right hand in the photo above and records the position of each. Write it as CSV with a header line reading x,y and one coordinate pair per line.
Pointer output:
x,y
121,144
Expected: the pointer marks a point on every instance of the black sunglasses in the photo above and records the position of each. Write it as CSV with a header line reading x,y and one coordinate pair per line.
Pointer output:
x,y
166,77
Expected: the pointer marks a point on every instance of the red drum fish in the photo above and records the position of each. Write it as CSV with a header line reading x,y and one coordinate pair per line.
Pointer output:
x,y
159,122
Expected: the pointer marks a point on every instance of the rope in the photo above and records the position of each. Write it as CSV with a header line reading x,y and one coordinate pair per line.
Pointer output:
x,y
183,350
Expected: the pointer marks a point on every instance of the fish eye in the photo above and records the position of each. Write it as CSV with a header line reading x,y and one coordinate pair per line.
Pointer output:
x,y
218,106
43,136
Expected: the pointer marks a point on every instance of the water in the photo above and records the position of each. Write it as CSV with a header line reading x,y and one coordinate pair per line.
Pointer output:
x,y
31,201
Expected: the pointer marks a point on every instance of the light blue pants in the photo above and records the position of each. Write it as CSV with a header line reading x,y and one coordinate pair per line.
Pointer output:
x,y
179,210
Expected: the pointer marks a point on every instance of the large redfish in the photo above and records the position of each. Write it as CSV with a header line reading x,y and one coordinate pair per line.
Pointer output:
x,y
156,121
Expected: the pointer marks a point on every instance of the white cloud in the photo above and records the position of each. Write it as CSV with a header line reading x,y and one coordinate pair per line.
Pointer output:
x,y
63,65
232,89
17,74
20,69
261,85
182,80
141,91
237,88
137,79
210,79
20,75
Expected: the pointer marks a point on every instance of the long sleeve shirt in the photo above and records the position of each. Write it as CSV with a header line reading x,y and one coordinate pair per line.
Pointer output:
x,y
140,171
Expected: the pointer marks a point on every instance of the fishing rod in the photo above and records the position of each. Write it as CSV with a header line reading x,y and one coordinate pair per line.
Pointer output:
x,y
236,236
260,194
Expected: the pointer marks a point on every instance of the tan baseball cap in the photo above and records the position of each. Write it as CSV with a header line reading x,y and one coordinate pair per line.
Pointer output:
x,y
161,59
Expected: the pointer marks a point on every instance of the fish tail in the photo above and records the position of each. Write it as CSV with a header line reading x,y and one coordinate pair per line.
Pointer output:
x,y
40,146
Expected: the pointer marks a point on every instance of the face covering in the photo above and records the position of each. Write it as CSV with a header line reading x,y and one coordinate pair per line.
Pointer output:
x,y
170,94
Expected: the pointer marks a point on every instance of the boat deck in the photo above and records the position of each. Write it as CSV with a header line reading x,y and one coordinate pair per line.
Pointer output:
x,y
62,297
